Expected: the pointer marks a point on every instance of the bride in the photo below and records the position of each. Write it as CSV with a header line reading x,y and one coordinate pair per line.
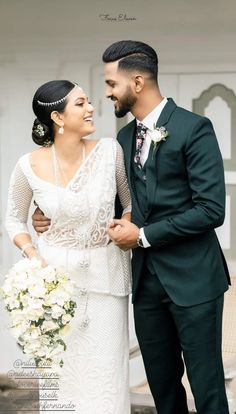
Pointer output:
x,y
74,181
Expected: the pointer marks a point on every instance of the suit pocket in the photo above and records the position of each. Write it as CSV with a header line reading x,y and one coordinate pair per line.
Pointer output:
x,y
171,162
165,156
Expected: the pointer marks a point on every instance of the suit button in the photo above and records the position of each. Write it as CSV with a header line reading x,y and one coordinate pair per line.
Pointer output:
x,y
146,223
144,178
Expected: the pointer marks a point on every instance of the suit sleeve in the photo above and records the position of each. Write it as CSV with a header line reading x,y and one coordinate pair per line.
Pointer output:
x,y
205,173
118,205
121,181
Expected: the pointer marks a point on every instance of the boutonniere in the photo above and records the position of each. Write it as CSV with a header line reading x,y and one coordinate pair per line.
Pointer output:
x,y
157,135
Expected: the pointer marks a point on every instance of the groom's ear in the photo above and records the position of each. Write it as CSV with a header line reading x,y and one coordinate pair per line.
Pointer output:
x,y
138,83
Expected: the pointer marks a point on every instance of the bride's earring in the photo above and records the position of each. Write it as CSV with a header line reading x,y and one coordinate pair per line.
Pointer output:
x,y
61,130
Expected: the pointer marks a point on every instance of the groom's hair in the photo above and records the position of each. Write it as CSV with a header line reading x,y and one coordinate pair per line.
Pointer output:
x,y
133,55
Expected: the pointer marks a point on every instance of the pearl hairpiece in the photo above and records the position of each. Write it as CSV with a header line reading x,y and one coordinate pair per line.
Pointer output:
x,y
59,100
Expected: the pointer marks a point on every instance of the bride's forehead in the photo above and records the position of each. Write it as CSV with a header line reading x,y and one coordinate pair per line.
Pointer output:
x,y
77,93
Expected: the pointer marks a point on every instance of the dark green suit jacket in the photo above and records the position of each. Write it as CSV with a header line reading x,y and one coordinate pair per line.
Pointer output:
x,y
186,202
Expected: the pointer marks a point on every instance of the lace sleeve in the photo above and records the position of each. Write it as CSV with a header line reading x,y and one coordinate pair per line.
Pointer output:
x,y
18,203
121,181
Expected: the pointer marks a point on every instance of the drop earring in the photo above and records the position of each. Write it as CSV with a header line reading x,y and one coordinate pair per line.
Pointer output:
x,y
61,130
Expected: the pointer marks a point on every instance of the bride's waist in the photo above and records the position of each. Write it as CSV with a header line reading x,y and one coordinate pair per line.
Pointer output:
x,y
74,248
74,243
102,268
99,258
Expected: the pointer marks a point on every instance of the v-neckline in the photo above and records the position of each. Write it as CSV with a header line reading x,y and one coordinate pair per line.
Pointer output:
x,y
88,156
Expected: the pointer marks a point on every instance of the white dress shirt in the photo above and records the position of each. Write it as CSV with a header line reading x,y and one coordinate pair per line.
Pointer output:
x,y
149,122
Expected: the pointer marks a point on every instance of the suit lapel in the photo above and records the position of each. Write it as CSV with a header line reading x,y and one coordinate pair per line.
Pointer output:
x,y
162,121
128,147
151,163
166,113
128,143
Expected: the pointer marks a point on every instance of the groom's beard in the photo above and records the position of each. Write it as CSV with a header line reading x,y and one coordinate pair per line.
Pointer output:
x,y
124,104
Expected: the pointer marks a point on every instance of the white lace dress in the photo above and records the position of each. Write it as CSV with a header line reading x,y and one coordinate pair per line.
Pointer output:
x,y
94,378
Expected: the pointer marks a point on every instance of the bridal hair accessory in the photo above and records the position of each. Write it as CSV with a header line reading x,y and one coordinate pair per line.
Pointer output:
x,y
59,100
48,143
40,130
41,304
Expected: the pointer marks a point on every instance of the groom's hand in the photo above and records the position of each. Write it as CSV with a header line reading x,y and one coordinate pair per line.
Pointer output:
x,y
123,233
40,222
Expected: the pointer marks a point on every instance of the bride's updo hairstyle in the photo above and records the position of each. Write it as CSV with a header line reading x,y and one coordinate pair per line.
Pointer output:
x,y
51,96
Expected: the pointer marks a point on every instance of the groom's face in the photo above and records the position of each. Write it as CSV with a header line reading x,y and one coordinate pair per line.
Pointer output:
x,y
119,89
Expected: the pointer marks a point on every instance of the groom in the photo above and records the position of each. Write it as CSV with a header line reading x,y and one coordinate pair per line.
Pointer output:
x,y
176,178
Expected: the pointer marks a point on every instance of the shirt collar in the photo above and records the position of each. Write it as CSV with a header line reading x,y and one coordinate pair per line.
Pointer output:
x,y
151,119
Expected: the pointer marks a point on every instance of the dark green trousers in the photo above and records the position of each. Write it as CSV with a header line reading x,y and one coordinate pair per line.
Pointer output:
x,y
165,332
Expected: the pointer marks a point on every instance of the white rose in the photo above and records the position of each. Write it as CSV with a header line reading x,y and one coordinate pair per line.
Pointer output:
x,y
43,351
49,299
18,316
21,281
45,340
8,288
49,274
156,135
24,298
66,318
35,263
61,273
16,331
33,346
69,288
19,329
32,333
49,326
34,314
34,278
34,303
12,302
21,266
37,291
57,311
58,296
36,287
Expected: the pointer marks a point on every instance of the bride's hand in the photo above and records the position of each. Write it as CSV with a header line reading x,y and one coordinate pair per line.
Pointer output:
x,y
42,260
32,252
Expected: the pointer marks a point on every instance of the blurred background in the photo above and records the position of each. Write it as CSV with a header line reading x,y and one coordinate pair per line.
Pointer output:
x,y
58,39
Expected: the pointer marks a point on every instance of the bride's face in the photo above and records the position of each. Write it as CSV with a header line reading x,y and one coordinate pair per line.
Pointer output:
x,y
78,114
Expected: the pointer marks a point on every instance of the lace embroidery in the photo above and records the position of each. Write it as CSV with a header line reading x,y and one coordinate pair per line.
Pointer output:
x,y
17,212
79,222
88,199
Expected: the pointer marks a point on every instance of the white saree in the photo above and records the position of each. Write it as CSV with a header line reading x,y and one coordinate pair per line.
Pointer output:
x,y
94,378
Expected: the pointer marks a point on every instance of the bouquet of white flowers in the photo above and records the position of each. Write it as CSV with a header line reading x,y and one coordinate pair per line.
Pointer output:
x,y
40,302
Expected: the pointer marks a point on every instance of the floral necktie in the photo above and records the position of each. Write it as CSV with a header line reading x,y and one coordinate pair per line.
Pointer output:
x,y
140,137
